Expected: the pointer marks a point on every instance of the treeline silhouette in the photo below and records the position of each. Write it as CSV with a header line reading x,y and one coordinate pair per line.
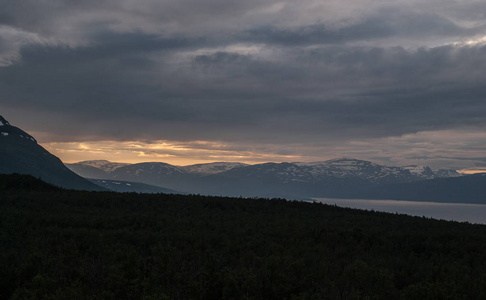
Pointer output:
x,y
62,244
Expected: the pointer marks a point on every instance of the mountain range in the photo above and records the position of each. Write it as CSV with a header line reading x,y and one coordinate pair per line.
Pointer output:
x,y
338,178
342,177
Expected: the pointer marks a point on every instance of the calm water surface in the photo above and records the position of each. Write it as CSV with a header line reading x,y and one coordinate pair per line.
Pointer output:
x,y
473,213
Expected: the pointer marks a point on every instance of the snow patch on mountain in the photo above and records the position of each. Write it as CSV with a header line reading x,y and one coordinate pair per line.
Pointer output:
x,y
13,132
421,171
211,168
21,154
4,122
342,169
365,170
447,173
348,167
142,170
104,165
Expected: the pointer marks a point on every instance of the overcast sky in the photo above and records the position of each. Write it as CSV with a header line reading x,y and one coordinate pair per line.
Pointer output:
x,y
398,82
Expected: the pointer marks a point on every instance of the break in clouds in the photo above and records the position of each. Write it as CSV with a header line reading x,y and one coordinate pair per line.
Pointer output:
x,y
329,75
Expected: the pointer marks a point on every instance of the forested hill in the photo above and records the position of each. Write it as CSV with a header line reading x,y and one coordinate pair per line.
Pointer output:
x,y
21,182
60,244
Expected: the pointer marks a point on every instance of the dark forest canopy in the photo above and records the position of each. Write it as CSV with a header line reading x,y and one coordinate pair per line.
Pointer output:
x,y
60,244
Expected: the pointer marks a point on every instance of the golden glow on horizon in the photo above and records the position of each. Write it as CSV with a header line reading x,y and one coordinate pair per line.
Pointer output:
x,y
450,149
177,153
472,171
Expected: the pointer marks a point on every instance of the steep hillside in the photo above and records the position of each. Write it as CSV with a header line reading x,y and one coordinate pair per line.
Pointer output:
x,y
20,153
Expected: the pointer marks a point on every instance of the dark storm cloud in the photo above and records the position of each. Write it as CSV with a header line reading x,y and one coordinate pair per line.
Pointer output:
x,y
73,20
367,92
252,70
337,92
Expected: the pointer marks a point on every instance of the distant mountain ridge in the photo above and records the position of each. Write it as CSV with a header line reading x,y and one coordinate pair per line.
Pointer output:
x,y
341,168
340,178
211,168
104,165
336,177
20,153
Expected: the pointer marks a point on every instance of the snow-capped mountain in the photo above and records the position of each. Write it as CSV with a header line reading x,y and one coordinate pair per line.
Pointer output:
x,y
104,165
354,168
151,171
373,172
20,153
106,169
325,178
95,169
12,133
421,171
211,168
447,173
343,177
4,122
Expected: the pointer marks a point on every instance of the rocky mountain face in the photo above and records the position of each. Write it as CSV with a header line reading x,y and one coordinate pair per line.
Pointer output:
x,y
20,153
338,177
446,173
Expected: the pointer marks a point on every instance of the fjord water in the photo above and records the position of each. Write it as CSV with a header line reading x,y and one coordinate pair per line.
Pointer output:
x,y
462,212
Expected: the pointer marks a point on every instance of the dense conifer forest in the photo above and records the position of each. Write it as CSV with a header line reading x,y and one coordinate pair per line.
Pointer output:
x,y
62,244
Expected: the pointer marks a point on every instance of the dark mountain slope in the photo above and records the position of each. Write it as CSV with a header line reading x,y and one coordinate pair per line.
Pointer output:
x,y
20,153
88,171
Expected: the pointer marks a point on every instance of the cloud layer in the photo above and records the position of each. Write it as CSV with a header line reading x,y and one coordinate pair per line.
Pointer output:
x,y
253,73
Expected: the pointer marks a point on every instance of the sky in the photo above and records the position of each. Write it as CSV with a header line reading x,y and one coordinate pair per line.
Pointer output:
x,y
190,81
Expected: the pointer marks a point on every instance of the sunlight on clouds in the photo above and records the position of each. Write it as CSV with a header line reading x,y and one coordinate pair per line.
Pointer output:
x,y
472,171
455,149
472,42
177,153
